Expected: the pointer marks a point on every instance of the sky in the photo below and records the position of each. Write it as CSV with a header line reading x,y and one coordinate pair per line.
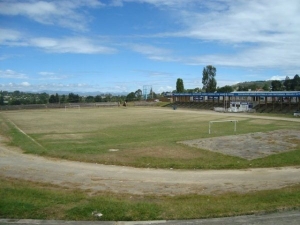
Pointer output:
x,y
119,46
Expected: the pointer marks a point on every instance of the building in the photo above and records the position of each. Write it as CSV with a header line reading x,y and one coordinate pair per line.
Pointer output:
x,y
242,100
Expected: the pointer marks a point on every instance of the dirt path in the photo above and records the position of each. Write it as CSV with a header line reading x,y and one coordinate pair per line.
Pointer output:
x,y
94,177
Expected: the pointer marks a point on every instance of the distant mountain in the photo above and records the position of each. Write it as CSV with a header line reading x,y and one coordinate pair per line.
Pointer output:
x,y
253,85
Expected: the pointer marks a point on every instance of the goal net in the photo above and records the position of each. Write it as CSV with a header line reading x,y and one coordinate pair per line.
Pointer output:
x,y
221,121
71,106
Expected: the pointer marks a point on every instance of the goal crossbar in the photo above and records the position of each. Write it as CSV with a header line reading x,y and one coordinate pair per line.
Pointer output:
x,y
72,106
221,121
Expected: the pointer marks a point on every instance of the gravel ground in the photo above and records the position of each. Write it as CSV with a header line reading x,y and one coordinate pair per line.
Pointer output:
x,y
250,146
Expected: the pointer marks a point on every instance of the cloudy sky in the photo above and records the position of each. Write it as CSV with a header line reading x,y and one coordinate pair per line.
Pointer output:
x,y
121,45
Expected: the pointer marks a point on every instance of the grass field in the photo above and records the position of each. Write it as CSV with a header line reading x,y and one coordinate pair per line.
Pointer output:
x,y
139,137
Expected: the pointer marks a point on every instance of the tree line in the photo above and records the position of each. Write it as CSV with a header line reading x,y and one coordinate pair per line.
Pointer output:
x,y
24,98
210,84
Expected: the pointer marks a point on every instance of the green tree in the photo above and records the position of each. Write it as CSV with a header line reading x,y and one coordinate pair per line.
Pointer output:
x,y
276,85
89,99
98,98
152,94
63,99
130,96
138,94
179,86
266,87
225,89
195,90
208,78
73,98
43,99
1,98
296,83
288,84
54,98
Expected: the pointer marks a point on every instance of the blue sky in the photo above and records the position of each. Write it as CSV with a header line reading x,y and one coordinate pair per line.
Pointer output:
x,y
121,45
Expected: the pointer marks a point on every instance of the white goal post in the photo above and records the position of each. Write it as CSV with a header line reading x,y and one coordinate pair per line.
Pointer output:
x,y
72,106
220,121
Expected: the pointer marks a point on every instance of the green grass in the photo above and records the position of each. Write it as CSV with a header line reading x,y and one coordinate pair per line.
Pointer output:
x,y
20,199
144,137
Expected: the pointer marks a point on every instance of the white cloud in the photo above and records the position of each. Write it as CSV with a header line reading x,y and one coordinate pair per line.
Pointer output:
x,y
63,13
167,3
154,53
11,37
52,76
116,3
246,21
71,45
79,45
278,78
165,89
258,33
149,49
12,74
46,73
25,84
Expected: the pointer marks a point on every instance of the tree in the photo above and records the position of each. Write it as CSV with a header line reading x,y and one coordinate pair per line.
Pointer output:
x,y
98,98
208,79
63,99
225,89
52,99
138,94
130,96
266,87
43,98
1,98
179,86
296,83
288,84
73,98
152,94
89,99
276,85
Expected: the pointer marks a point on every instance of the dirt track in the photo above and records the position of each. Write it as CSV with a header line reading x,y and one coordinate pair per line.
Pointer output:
x,y
94,177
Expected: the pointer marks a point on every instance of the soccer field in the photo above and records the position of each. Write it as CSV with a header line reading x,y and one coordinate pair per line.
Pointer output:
x,y
138,136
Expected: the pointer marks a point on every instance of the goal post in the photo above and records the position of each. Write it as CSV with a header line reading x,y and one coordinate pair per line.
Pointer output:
x,y
72,106
221,121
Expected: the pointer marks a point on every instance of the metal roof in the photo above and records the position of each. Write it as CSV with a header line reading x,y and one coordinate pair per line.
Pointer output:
x,y
244,94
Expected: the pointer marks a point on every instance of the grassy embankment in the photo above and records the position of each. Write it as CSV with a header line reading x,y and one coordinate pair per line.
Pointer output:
x,y
20,199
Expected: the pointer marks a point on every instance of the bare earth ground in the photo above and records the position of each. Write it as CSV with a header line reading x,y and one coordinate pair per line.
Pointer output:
x,y
94,177
250,146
